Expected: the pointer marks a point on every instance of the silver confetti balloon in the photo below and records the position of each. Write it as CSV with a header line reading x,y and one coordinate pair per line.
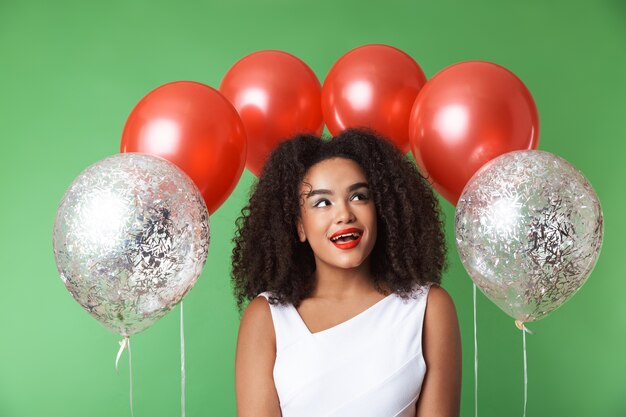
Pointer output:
x,y
528,230
131,236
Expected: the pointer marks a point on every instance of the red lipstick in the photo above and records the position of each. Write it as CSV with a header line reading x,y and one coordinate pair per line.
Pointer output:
x,y
351,243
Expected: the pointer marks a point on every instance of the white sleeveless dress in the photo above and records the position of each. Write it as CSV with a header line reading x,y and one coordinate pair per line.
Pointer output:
x,y
368,366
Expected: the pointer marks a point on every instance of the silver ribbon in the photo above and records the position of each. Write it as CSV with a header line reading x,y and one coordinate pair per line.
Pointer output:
x,y
125,344
524,329
475,359
182,362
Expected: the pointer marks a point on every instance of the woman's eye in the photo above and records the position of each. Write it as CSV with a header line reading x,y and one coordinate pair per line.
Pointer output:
x,y
360,196
321,203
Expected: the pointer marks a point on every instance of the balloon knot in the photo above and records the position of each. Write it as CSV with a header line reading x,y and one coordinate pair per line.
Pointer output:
x,y
520,325
124,343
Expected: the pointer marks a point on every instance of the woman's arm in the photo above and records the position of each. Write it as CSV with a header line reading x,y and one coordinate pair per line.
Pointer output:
x,y
441,343
254,363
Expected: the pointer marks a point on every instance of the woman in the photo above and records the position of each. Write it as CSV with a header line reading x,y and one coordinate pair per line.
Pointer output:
x,y
341,251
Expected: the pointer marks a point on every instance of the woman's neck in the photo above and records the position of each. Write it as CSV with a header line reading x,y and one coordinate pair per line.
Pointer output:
x,y
341,284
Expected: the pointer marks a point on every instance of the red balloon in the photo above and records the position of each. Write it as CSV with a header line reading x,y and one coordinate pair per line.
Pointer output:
x,y
373,86
277,96
196,128
466,115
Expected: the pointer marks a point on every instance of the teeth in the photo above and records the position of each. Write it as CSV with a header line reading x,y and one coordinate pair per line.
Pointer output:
x,y
336,238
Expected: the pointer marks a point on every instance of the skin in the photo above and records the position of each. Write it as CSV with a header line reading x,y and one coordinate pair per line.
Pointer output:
x,y
343,290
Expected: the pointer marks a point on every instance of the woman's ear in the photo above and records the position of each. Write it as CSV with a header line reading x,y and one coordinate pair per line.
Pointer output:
x,y
301,234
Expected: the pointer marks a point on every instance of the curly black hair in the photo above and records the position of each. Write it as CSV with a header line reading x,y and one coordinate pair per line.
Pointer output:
x,y
410,248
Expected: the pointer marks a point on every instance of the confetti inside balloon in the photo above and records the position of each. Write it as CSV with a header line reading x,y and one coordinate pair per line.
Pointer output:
x,y
528,230
131,237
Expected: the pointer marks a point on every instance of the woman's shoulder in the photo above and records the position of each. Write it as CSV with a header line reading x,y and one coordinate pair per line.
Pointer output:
x,y
256,321
254,361
258,310
439,299
441,326
441,344
440,310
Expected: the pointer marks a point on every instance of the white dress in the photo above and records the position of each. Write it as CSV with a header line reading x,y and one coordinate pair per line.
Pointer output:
x,y
368,366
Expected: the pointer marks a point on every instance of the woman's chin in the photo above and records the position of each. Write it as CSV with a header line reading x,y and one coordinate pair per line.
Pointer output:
x,y
350,263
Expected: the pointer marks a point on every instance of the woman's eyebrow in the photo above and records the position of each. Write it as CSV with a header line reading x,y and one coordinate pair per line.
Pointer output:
x,y
353,187
357,186
313,193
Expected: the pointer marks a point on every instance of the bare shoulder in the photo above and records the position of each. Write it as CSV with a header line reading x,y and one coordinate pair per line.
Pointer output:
x,y
256,322
441,342
440,307
441,338
254,362
257,309
441,325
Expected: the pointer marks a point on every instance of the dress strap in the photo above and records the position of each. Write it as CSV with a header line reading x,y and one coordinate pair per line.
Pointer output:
x,y
288,326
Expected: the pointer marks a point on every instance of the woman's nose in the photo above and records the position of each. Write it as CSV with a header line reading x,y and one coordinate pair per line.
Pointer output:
x,y
344,213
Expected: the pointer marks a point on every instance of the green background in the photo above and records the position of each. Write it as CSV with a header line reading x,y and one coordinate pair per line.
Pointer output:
x,y
70,73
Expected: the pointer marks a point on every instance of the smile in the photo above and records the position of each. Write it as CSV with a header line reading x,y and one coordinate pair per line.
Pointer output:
x,y
347,239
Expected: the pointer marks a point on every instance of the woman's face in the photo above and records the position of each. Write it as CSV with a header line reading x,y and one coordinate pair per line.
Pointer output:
x,y
337,213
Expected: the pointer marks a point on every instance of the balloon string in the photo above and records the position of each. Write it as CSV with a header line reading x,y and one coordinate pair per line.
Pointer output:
x,y
125,344
525,374
182,362
130,377
475,359
520,325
